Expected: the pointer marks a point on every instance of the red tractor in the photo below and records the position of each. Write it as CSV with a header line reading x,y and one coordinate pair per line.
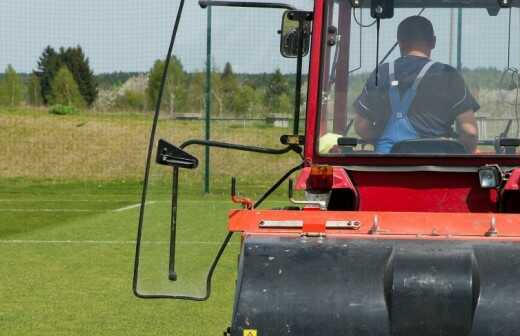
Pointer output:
x,y
410,221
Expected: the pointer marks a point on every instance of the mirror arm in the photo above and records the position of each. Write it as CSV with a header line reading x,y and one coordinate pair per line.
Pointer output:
x,y
298,89
206,3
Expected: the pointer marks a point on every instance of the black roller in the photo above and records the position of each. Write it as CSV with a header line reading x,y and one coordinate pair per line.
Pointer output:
x,y
326,286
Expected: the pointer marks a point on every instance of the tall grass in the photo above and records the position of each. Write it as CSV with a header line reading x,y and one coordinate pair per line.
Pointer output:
x,y
88,146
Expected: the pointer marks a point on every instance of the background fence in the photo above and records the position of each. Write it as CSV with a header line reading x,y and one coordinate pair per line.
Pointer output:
x,y
78,81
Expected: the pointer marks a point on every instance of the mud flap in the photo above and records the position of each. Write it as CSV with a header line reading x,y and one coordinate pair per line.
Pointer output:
x,y
327,286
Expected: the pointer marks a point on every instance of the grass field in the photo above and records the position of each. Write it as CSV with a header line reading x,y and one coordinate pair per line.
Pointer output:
x,y
67,255
67,260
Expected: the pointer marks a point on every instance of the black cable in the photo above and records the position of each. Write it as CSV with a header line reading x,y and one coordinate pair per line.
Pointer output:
x,y
378,28
209,278
150,150
361,23
276,185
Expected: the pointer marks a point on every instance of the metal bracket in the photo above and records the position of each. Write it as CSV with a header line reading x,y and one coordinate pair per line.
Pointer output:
x,y
244,201
375,229
492,232
171,155
321,204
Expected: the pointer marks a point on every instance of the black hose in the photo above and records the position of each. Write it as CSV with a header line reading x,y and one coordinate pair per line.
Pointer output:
x,y
150,149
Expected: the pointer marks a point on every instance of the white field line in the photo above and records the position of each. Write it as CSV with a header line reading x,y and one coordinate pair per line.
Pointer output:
x,y
133,206
103,242
72,210
49,210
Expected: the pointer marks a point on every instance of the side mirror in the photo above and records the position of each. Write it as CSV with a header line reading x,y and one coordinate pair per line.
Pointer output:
x,y
290,33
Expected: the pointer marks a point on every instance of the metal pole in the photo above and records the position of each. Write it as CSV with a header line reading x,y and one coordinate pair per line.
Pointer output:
x,y
450,49
459,40
299,64
208,101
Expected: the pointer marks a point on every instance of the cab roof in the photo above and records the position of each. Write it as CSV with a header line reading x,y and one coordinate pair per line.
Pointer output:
x,y
488,4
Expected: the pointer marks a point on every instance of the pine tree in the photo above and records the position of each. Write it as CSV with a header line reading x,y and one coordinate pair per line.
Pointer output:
x,y
78,64
34,96
65,90
48,65
228,71
11,87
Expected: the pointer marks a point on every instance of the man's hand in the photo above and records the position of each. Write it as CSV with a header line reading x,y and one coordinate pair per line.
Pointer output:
x,y
468,130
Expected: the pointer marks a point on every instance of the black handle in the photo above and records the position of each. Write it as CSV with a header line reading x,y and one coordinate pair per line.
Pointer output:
x,y
290,188
206,3
233,186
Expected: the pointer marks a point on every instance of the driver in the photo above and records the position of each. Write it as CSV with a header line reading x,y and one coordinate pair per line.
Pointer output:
x,y
415,97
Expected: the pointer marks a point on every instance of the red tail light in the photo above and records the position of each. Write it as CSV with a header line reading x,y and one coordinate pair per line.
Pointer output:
x,y
320,178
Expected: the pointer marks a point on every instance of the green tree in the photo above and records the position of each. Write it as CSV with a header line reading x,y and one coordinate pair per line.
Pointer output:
x,y
197,89
34,96
131,100
11,88
175,91
48,66
78,64
245,100
230,90
277,87
64,90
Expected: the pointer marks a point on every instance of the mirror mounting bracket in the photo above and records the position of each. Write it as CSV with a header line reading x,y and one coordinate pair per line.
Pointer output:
x,y
171,155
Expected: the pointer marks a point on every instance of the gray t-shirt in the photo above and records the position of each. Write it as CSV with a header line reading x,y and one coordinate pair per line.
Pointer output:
x,y
441,96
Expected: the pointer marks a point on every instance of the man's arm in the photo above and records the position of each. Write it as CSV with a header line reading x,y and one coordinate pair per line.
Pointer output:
x,y
365,128
468,130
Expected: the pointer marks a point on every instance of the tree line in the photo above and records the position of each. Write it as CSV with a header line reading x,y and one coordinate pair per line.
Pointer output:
x,y
232,95
64,77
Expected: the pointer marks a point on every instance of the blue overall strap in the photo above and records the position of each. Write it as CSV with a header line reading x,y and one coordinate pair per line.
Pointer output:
x,y
401,106
398,127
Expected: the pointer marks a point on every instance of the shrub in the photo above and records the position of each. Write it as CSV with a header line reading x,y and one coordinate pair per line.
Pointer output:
x,y
65,91
132,100
62,109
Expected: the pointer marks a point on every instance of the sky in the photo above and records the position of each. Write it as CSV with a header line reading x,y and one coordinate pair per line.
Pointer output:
x,y
129,35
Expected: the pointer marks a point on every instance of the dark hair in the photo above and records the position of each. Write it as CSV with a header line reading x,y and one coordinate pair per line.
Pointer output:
x,y
415,29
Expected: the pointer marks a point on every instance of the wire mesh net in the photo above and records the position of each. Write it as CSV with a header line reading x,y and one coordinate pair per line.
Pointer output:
x,y
101,134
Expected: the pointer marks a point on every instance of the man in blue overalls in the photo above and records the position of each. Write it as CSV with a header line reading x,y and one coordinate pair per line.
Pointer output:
x,y
415,97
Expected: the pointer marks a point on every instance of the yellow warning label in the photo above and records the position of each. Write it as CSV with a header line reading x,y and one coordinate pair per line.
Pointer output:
x,y
250,332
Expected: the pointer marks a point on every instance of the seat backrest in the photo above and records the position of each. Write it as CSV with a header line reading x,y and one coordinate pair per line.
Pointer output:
x,y
429,146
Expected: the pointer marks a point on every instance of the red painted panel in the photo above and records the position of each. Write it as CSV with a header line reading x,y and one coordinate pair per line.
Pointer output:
x,y
422,191
314,78
409,225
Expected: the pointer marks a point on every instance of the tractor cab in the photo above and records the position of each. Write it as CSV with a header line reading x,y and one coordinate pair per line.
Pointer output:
x,y
402,216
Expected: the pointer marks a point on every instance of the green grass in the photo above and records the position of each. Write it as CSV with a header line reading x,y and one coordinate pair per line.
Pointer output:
x,y
51,286
67,257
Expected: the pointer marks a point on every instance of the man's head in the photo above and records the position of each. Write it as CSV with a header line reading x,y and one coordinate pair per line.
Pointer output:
x,y
415,34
